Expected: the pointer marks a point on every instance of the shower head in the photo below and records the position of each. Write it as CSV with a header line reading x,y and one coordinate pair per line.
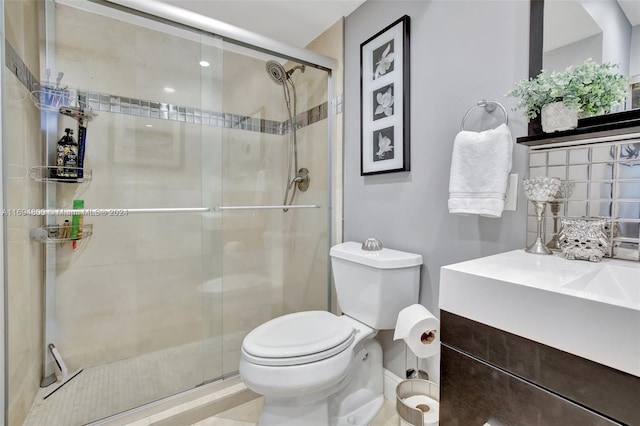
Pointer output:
x,y
277,72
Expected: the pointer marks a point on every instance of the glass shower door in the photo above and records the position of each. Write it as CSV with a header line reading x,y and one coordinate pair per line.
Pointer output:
x,y
130,308
188,245
274,258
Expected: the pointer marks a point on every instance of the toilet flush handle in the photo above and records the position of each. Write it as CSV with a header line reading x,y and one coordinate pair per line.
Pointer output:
x,y
372,244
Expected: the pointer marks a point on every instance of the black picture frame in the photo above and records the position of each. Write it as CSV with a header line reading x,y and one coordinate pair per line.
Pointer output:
x,y
385,100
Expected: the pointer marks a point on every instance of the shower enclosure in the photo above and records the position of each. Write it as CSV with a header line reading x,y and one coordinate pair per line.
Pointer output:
x,y
206,192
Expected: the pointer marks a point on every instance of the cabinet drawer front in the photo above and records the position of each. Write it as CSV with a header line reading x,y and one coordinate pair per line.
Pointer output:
x,y
611,392
473,392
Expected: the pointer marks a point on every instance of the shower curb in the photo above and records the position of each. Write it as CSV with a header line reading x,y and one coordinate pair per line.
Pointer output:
x,y
187,407
208,409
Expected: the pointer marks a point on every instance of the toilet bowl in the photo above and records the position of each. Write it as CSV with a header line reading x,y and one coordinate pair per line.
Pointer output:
x,y
315,368
282,356
310,376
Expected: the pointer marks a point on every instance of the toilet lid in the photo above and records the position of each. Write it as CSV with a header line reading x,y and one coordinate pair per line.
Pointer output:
x,y
312,336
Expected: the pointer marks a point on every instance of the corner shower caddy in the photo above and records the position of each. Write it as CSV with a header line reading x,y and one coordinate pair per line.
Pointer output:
x,y
51,234
58,100
61,100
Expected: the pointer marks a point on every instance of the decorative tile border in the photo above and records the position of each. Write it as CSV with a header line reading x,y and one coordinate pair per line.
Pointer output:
x,y
19,68
165,111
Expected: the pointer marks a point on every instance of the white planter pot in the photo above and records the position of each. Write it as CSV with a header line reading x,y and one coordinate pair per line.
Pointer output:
x,y
557,116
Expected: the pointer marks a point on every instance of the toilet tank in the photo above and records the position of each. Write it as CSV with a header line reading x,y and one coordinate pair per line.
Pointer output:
x,y
373,286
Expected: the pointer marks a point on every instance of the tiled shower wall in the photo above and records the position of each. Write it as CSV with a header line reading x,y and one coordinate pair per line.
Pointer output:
x,y
603,181
147,283
144,283
24,258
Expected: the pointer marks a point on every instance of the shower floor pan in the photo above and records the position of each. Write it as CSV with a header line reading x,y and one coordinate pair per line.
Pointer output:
x,y
109,389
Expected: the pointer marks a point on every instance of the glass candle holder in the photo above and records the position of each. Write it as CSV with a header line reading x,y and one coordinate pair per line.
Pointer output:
x,y
565,191
540,191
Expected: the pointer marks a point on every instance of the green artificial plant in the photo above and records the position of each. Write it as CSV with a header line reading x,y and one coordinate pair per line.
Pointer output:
x,y
589,88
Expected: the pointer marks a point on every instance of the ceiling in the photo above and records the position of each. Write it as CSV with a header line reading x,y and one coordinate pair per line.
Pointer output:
x,y
296,22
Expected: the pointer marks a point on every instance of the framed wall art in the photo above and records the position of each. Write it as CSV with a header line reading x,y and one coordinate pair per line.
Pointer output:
x,y
384,100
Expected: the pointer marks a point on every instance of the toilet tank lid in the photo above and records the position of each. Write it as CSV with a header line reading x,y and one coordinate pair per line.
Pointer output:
x,y
381,259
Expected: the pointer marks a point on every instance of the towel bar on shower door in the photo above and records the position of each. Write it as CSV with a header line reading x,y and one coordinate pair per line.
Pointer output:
x,y
115,211
281,207
126,212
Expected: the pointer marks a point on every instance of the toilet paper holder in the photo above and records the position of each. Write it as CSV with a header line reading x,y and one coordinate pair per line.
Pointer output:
x,y
413,373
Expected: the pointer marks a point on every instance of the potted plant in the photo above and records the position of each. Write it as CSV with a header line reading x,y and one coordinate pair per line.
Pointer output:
x,y
588,89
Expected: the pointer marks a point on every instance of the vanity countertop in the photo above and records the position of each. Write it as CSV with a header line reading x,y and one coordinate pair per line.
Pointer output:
x,y
588,309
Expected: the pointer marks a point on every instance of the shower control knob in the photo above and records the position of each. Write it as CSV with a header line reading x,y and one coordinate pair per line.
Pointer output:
x,y
372,244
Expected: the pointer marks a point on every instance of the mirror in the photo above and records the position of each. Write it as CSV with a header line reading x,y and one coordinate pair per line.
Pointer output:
x,y
569,45
567,32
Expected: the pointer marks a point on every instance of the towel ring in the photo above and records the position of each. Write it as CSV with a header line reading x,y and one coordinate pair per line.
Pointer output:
x,y
488,106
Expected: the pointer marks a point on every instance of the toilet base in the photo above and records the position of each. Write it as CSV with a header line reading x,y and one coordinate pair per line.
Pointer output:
x,y
359,402
281,412
362,416
318,414
355,401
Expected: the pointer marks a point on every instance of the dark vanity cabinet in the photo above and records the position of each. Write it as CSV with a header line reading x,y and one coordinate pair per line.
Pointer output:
x,y
491,376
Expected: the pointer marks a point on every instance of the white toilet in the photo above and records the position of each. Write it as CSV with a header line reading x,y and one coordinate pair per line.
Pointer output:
x,y
316,368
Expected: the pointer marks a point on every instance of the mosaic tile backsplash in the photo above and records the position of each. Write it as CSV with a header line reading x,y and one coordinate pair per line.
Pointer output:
x,y
601,181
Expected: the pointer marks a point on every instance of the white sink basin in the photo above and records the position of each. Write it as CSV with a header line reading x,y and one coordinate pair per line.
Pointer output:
x,y
610,282
588,309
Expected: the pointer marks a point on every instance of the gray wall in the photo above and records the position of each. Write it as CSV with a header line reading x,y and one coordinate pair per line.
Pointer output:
x,y
461,51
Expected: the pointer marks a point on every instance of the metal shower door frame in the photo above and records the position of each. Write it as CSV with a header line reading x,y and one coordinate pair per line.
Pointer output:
x,y
49,137
3,232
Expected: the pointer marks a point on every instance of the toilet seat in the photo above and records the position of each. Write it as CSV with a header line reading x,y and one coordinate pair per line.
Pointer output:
x,y
298,338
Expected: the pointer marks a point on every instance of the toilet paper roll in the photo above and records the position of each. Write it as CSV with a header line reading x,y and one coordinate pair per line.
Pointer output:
x,y
420,329
430,408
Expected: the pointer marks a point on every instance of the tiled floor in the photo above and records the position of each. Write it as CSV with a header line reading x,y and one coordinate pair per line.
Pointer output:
x,y
248,415
104,390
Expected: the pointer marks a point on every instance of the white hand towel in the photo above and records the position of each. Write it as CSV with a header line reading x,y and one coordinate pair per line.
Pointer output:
x,y
480,166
